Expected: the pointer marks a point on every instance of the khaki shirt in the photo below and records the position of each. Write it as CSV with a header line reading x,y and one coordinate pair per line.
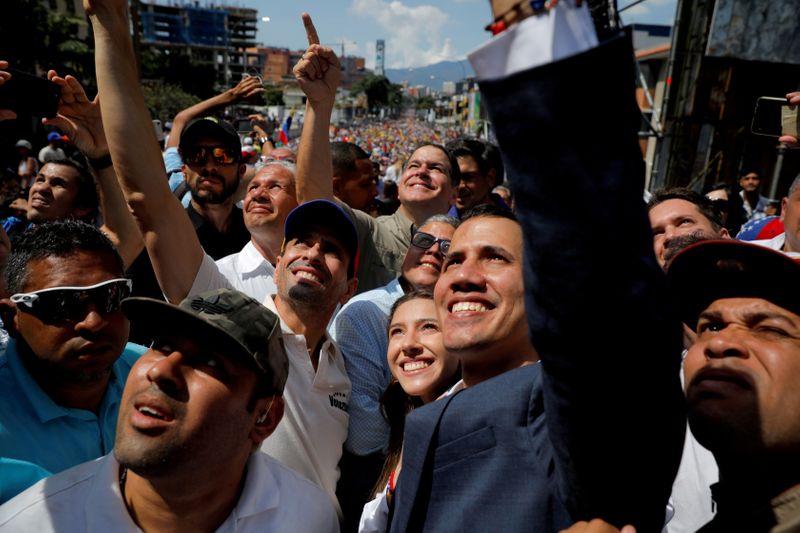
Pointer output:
x,y
383,243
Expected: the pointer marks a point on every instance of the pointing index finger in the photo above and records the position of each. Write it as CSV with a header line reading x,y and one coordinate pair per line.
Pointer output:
x,y
311,31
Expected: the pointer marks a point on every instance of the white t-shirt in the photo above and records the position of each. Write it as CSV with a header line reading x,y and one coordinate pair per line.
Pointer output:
x,y
87,498
310,436
246,271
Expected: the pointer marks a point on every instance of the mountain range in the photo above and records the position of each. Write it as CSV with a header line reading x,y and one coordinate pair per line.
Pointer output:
x,y
431,75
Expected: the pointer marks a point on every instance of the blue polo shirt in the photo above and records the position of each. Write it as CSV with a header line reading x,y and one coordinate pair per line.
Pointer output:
x,y
39,437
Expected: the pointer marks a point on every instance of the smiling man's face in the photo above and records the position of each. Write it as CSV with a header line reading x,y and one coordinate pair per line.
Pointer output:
x,y
312,270
426,179
480,296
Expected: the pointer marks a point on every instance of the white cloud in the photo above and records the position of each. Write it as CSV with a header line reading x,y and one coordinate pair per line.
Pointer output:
x,y
413,35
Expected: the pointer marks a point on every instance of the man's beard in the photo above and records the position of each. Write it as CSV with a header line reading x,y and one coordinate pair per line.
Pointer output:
x,y
205,196
676,245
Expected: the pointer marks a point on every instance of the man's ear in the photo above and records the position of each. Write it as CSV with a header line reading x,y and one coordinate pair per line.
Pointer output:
x,y
337,186
8,312
724,234
352,285
784,205
268,412
491,176
242,170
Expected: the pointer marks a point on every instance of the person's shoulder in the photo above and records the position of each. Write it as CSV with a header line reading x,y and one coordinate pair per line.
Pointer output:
x,y
45,502
361,219
295,492
288,479
131,353
371,296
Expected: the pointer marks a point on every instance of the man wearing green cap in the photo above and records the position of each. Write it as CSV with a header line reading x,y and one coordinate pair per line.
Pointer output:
x,y
196,406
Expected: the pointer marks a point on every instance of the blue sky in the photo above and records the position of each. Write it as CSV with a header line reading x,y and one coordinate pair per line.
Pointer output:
x,y
417,32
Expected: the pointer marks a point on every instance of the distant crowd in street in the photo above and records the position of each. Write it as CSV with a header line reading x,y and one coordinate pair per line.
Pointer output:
x,y
390,326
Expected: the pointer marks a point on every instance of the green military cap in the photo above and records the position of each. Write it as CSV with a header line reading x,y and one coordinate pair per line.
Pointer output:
x,y
228,320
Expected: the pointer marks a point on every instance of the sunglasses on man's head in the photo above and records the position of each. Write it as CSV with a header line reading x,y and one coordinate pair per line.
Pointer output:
x,y
197,155
72,303
425,240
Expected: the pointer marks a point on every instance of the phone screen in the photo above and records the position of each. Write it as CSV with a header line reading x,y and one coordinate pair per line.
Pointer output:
x,y
243,125
29,94
774,117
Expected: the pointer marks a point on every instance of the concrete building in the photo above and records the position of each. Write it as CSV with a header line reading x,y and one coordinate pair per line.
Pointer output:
x,y
724,55
215,35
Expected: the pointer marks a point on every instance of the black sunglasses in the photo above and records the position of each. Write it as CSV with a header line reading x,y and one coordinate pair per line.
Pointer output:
x,y
72,303
197,155
425,240
721,205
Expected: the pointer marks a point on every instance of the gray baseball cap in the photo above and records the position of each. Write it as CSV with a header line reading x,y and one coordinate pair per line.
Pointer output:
x,y
226,319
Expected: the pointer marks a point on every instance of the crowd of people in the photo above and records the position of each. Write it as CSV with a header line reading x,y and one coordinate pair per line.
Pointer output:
x,y
368,331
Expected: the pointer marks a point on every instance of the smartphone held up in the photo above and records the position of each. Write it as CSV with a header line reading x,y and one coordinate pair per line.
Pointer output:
x,y
26,93
775,117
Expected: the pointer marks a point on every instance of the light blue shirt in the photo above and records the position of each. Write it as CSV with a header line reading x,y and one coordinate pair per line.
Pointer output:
x,y
39,437
360,332
174,164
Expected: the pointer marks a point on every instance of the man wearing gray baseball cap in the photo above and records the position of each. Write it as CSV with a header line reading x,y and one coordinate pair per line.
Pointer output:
x,y
196,407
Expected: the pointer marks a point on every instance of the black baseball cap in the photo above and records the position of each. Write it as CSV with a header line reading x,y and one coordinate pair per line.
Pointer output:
x,y
210,127
727,268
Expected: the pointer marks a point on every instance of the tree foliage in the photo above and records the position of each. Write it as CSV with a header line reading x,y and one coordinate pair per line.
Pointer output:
x,y
425,102
35,39
165,100
176,68
380,92
273,95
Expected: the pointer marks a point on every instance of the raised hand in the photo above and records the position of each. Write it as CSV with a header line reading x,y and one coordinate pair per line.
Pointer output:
x,y
247,88
5,114
260,124
792,142
79,117
318,72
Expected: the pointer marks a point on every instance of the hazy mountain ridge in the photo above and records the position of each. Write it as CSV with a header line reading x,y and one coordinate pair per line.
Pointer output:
x,y
442,71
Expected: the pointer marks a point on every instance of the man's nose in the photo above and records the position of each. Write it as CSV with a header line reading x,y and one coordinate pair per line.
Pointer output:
x,y
166,372
725,343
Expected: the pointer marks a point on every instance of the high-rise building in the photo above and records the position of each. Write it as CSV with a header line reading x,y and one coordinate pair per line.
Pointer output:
x,y
380,48
213,35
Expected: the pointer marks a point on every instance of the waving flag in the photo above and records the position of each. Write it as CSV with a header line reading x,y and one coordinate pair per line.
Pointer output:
x,y
283,135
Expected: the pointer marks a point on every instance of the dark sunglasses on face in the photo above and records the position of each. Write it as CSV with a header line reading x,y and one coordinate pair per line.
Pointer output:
x,y
197,155
72,303
721,205
425,240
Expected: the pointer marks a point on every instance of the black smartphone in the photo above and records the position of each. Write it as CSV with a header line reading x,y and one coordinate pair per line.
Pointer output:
x,y
243,125
774,117
25,93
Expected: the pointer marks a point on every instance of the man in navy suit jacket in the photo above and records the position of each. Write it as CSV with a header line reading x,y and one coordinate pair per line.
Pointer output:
x,y
595,428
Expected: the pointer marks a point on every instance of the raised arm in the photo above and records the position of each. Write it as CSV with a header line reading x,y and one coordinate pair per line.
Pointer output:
x,y
5,114
789,140
318,73
169,236
81,119
613,402
246,89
